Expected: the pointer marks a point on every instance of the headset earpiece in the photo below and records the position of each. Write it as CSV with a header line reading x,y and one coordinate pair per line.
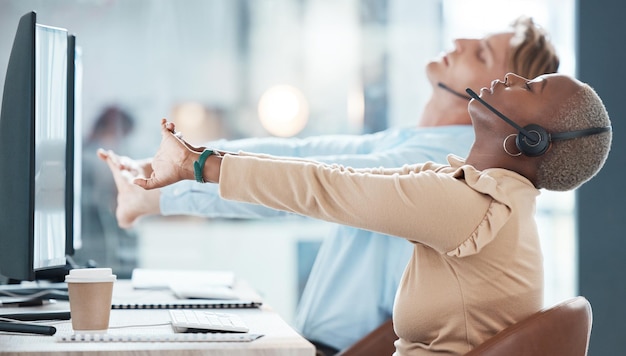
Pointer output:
x,y
535,145
538,139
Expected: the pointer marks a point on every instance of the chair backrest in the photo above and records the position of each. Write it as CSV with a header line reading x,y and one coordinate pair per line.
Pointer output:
x,y
562,330
379,342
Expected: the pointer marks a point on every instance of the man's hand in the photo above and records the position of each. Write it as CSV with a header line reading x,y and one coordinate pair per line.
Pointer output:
x,y
133,202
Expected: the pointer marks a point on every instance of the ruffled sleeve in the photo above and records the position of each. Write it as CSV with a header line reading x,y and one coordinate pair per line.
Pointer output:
x,y
500,185
487,230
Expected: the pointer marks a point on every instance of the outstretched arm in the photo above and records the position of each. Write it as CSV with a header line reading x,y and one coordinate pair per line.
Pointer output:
x,y
391,148
405,202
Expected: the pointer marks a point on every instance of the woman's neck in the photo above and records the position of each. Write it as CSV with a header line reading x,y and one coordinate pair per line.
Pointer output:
x,y
488,153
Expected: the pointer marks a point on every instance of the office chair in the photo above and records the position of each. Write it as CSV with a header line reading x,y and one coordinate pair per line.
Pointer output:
x,y
561,330
377,342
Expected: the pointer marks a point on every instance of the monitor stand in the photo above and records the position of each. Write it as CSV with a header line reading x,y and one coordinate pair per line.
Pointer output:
x,y
32,294
48,285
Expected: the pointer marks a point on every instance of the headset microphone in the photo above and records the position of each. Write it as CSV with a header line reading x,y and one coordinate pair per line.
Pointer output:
x,y
452,91
533,140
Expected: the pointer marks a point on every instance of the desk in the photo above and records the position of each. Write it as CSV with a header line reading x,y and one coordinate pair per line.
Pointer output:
x,y
279,338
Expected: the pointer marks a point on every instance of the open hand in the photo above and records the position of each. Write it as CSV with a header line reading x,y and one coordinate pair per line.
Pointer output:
x,y
173,161
133,202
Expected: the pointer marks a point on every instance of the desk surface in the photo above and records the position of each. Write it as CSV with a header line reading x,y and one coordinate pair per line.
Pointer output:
x,y
279,338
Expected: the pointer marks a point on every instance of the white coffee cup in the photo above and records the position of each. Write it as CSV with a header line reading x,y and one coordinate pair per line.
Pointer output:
x,y
90,291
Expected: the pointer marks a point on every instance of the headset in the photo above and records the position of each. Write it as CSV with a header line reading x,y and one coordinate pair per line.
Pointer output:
x,y
454,92
533,140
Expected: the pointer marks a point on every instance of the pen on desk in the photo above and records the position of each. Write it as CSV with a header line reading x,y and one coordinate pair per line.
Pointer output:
x,y
27,328
42,315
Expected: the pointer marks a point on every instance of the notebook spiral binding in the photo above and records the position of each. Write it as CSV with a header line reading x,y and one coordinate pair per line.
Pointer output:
x,y
180,337
191,304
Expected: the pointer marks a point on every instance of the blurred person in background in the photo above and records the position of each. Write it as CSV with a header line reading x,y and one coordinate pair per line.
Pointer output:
x,y
103,241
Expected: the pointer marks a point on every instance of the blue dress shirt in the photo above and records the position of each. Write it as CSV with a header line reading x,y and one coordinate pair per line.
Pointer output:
x,y
352,285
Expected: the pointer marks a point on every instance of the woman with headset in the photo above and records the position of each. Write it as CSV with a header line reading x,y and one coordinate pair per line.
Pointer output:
x,y
477,263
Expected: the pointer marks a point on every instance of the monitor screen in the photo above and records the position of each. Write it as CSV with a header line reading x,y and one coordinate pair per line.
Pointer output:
x,y
50,146
37,152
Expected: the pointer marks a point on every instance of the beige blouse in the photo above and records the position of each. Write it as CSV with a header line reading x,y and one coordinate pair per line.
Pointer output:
x,y
477,265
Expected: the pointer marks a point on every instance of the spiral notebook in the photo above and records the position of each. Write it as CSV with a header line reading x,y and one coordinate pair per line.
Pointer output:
x,y
189,304
197,337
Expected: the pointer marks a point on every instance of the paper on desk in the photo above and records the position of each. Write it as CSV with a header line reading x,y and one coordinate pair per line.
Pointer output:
x,y
186,290
149,278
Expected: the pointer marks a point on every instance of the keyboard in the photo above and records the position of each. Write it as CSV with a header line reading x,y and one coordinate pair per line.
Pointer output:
x,y
198,320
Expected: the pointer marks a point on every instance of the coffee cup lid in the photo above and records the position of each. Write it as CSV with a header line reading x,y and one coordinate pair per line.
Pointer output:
x,y
90,275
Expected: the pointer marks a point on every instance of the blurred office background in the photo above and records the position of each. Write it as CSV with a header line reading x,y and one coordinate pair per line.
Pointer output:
x,y
241,68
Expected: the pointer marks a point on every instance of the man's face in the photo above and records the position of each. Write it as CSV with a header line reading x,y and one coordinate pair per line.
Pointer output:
x,y
473,63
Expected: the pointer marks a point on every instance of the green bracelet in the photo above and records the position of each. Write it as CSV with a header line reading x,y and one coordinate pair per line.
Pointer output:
x,y
198,166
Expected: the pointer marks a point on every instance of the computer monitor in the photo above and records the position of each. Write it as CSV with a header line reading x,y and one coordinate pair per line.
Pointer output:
x,y
37,154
